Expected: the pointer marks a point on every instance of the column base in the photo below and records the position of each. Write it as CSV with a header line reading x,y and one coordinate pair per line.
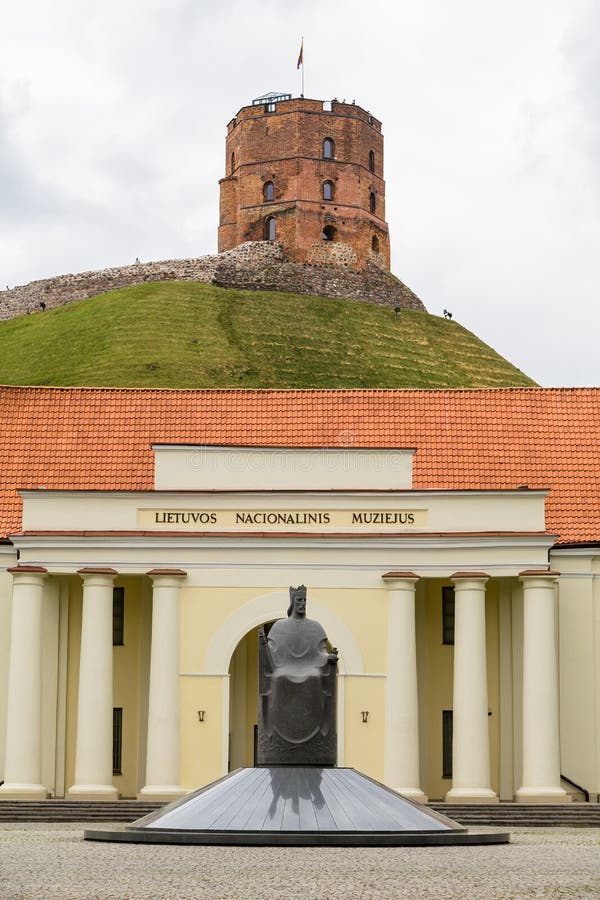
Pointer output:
x,y
471,795
415,794
542,795
162,792
23,792
92,792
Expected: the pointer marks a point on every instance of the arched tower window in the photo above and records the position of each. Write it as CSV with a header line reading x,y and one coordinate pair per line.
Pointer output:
x,y
375,244
270,228
328,148
329,233
328,190
232,162
371,161
268,191
372,202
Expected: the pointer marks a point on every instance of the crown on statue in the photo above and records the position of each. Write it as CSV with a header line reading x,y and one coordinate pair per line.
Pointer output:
x,y
296,593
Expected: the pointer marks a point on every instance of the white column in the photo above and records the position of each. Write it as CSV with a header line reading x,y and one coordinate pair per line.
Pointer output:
x,y
23,762
470,729
541,739
93,758
401,749
162,757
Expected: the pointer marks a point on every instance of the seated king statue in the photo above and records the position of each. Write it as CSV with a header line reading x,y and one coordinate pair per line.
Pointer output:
x,y
296,685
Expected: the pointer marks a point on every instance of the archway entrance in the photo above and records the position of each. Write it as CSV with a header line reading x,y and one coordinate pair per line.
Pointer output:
x,y
243,701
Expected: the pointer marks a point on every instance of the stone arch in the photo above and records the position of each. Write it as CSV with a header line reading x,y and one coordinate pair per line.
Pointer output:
x,y
273,606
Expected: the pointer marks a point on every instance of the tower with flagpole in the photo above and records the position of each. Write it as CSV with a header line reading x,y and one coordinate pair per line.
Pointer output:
x,y
307,174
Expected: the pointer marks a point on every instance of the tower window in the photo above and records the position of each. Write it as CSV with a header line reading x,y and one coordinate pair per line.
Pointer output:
x,y
375,244
232,162
328,190
268,191
447,615
372,202
328,148
270,228
371,161
329,233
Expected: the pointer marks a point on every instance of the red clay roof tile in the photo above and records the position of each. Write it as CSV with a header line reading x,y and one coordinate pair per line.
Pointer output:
x,y
100,438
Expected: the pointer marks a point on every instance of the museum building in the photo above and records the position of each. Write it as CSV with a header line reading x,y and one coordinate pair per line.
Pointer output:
x,y
449,541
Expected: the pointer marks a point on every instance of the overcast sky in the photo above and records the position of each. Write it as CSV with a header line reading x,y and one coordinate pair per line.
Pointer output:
x,y
112,131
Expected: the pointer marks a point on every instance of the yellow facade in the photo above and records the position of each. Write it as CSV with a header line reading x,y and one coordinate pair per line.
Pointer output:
x,y
219,587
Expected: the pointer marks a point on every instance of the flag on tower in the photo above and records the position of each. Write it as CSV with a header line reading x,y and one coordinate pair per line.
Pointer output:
x,y
300,54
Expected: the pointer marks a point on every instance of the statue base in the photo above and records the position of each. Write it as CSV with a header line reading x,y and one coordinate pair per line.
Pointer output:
x,y
321,750
297,806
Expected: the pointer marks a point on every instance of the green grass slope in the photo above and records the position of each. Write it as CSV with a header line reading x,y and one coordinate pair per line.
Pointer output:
x,y
191,335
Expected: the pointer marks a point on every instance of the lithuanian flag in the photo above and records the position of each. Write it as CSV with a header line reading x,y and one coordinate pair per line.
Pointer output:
x,y
300,54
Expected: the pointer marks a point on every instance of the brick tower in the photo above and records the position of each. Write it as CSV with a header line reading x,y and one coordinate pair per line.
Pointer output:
x,y
308,174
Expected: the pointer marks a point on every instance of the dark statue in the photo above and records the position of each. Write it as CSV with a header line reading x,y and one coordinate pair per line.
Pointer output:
x,y
296,685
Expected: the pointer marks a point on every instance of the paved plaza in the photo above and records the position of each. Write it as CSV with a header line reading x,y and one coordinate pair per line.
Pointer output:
x,y
39,861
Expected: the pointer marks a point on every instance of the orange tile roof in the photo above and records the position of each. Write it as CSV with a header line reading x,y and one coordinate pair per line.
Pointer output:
x,y
100,438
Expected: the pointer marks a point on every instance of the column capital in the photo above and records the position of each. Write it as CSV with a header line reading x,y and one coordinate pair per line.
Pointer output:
x,y
544,574
177,573
25,570
465,576
391,577
91,570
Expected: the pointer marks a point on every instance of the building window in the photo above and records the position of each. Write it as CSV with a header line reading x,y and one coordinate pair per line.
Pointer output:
x,y
268,191
446,743
232,162
328,148
372,202
329,233
375,244
328,190
118,616
270,228
447,615
117,739
371,161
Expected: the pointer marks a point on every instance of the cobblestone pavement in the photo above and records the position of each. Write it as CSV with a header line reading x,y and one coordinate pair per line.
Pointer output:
x,y
41,860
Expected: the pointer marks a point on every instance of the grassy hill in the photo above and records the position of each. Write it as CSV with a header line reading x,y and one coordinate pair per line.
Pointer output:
x,y
191,335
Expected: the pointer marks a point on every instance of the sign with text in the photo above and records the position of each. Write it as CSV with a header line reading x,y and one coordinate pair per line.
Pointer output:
x,y
282,519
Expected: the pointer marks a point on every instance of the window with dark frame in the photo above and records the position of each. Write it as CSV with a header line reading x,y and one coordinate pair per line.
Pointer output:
x,y
268,191
447,615
118,616
371,161
328,148
372,202
232,162
117,739
446,743
328,190
270,228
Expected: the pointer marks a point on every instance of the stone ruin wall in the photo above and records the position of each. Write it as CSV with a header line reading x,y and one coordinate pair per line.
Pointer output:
x,y
257,265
